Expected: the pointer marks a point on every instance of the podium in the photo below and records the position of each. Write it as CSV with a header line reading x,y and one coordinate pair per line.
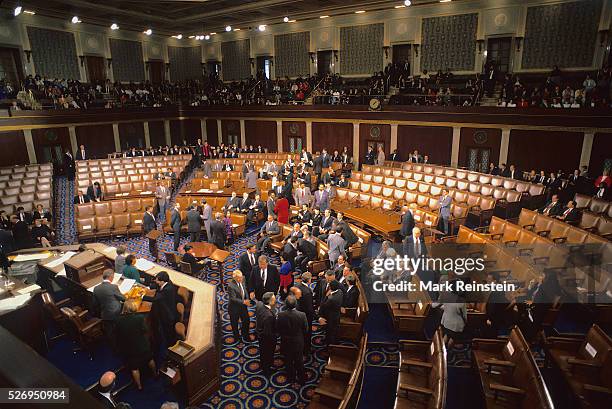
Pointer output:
x,y
86,266
154,234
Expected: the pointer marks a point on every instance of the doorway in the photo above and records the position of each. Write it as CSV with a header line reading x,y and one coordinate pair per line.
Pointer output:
x,y
96,70
213,67
499,50
156,72
10,66
296,143
325,62
402,54
375,144
478,159
264,65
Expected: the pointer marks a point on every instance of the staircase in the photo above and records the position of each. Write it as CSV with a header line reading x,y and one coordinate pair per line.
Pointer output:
x,y
491,101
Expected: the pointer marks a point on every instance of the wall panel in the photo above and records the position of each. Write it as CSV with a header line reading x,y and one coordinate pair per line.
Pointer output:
x,y
546,150
449,42
54,53
361,49
131,134
236,64
156,133
98,139
128,64
434,141
331,136
14,151
261,133
479,138
230,131
46,138
188,130
373,132
293,129
602,152
212,132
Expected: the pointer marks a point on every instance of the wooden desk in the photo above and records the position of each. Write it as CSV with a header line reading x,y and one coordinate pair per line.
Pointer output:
x,y
387,223
225,192
202,249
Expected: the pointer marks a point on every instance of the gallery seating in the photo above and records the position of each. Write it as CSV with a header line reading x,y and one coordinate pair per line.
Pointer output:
x,y
26,186
121,217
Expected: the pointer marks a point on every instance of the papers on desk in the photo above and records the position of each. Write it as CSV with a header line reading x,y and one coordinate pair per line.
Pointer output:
x,y
146,192
234,225
62,272
187,191
219,191
170,372
60,260
29,289
12,303
109,249
204,191
32,257
126,285
116,278
144,264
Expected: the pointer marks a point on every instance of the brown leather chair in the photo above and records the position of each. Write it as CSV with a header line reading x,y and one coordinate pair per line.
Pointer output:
x,y
135,223
181,331
118,206
85,210
104,225
102,208
582,201
121,223
180,309
598,206
84,331
86,228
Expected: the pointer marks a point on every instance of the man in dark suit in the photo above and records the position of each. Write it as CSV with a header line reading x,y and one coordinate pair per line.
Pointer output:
x,y
108,301
306,253
265,327
570,215
265,278
407,220
81,154
94,192
69,168
552,208
190,259
270,228
148,225
329,311
370,156
217,232
292,326
414,246
289,251
80,198
323,285
194,225
255,207
247,262
24,216
347,233
304,296
105,390
238,305
175,223
395,156
317,167
327,222
351,293
163,308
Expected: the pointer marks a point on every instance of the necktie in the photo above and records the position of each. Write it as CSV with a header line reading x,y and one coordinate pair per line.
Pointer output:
x,y
242,290
566,212
81,199
252,259
417,248
263,277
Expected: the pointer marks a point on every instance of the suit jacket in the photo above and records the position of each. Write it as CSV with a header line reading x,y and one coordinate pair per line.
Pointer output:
x,y
148,223
217,233
554,209
77,200
407,224
108,300
573,216
336,245
175,220
317,165
235,296
409,247
351,297
244,204
162,194
193,221
304,217
232,203
302,196
245,266
321,200
272,281
164,305
207,215
251,180
292,326
347,233
330,308
207,170
270,206
326,223
80,156
305,303
444,204
326,160
395,157
95,193
289,253
45,215
265,323
270,228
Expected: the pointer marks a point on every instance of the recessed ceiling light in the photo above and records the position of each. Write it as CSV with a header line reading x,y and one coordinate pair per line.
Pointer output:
x,y
212,34
323,16
360,11
228,28
196,37
148,31
236,29
29,12
407,3
262,27
286,19
17,11
178,36
207,37
401,6
445,1
114,26
292,21
75,20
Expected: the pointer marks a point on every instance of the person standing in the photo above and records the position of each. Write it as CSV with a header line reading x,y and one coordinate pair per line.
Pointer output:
x,y
380,157
108,301
148,225
292,327
238,305
282,210
303,293
444,205
193,224
175,224
207,217
329,311
266,331
163,197
217,232
265,278
163,308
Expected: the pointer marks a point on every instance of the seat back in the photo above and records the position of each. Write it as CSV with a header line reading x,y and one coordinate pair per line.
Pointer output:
x,y
599,206
582,201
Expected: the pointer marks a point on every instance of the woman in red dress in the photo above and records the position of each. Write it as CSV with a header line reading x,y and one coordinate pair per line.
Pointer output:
x,y
282,210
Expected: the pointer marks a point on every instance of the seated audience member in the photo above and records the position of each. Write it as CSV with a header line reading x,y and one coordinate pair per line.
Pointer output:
x,y
603,192
133,341
351,292
41,233
189,258
23,216
94,192
244,203
570,214
307,251
21,233
120,259
105,390
270,228
552,208
326,224
81,198
171,175
159,176
130,271
5,222
42,213
231,203
257,206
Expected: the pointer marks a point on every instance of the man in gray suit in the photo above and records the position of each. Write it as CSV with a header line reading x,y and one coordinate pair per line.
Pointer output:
x,y
207,217
175,223
193,224
120,259
270,203
444,205
269,228
231,204
108,300
250,179
321,198
239,301
206,169
302,196
162,194
336,245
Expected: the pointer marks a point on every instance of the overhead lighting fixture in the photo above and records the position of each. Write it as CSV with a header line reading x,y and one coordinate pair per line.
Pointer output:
x,y
445,1
196,37
75,20
212,34
360,11
228,28
148,31
236,29
407,3
178,36
286,19
292,21
401,6
17,11
114,26
207,37
262,27
30,12
323,16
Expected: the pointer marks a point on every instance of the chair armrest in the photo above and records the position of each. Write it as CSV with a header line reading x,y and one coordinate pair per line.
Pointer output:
x,y
91,324
597,390
537,260
496,236
415,389
525,251
328,394
529,226
415,363
410,342
63,302
490,363
558,240
511,243
499,388
543,233
345,348
583,363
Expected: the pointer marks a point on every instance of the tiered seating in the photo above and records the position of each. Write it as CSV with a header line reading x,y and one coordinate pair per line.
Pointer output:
x,y
111,218
26,186
560,232
509,375
586,365
409,309
422,375
128,176
596,215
